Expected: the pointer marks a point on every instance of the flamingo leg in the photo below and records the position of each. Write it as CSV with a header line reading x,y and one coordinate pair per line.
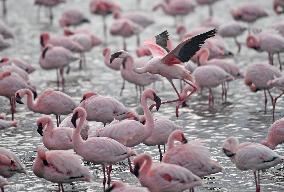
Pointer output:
x,y
2,189
4,8
130,166
59,187
270,58
279,60
210,10
105,29
57,77
164,148
38,14
226,90
138,40
160,151
81,61
211,98
50,16
265,101
57,120
62,187
13,107
171,82
124,44
238,44
122,88
62,77
104,180
255,179
223,91
108,174
258,181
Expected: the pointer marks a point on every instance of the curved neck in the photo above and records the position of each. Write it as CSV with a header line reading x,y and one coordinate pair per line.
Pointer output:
x,y
171,141
149,125
31,104
107,58
49,127
77,139
146,164
127,63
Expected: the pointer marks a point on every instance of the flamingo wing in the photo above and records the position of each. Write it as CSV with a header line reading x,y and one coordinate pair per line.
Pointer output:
x,y
156,50
162,40
187,48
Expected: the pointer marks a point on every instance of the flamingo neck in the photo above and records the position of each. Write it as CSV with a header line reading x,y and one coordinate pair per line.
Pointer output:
x,y
146,164
171,141
49,127
149,125
107,58
77,139
127,63
31,104
204,56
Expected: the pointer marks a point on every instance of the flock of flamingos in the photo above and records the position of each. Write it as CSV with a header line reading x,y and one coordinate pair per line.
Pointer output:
x,y
200,62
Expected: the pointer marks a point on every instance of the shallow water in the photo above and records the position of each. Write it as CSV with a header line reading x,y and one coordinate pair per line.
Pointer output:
x,y
242,116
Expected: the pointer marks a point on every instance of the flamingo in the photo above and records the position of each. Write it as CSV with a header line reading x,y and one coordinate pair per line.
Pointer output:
x,y
192,155
143,51
56,58
168,64
130,132
67,123
48,4
98,150
103,8
257,77
10,164
278,6
128,64
48,102
125,28
275,135
103,108
24,65
232,30
6,31
73,17
209,3
9,84
54,138
59,166
270,42
111,62
118,186
3,182
162,177
7,65
210,76
251,156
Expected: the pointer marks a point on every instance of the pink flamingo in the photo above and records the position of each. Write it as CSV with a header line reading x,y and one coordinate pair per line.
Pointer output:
x,y
3,182
6,31
248,13
130,132
56,58
128,64
169,64
275,135
143,51
48,102
209,3
103,8
232,30
10,164
210,76
118,186
257,77
103,108
125,28
176,8
54,138
24,65
7,65
272,43
278,6
48,4
5,124
9,84
163,176
59,166
67,123
251,156
192,155
279,84
98,150
211,22
73,17
113,62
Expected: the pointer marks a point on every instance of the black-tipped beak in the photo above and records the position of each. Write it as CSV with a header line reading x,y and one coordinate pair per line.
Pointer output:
x,y
35,94
74,119
136,170
184,140
19,99
114,56
85,20
158,101
39,129
45,163
109,189
83,99
228,153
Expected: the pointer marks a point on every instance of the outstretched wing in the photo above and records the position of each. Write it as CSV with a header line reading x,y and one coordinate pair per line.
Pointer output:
x,y
162,40
186,49
155,49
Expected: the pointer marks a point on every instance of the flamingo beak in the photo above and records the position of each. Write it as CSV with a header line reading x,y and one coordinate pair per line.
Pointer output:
x,y
40,128
109,189
18,99
228,153
136,170
35,94
45,163
83,99
114,56
158,101
74,118
184,140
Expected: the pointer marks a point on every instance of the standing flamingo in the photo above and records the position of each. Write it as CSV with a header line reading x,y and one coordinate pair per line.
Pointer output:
x,y
192,155
48,102
99,150
251,156
275,135
118,186
162,177
10,164
59,166
169,64
24,65
54,138
73,17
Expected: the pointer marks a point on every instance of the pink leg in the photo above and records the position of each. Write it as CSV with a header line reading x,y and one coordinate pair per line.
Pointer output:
x,y
104,180
2,189
58,81
238,44
50,16
279,60
13,106
270,58
59,187
81,61
122,88
4,8
62,77
223,91
258,181
210,98
171,82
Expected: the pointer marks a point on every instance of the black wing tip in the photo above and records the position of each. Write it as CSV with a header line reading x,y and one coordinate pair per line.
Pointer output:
x,y
211,33
165,35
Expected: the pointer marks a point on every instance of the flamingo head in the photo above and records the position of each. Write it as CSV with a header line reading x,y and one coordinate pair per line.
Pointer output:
x,y
88,95
151,94
230,146
4,74
5,60
178,135
236,14
79,112
253,42
120,54
44,38
41,123
139,162
42,156
116,14
68,32
278,9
